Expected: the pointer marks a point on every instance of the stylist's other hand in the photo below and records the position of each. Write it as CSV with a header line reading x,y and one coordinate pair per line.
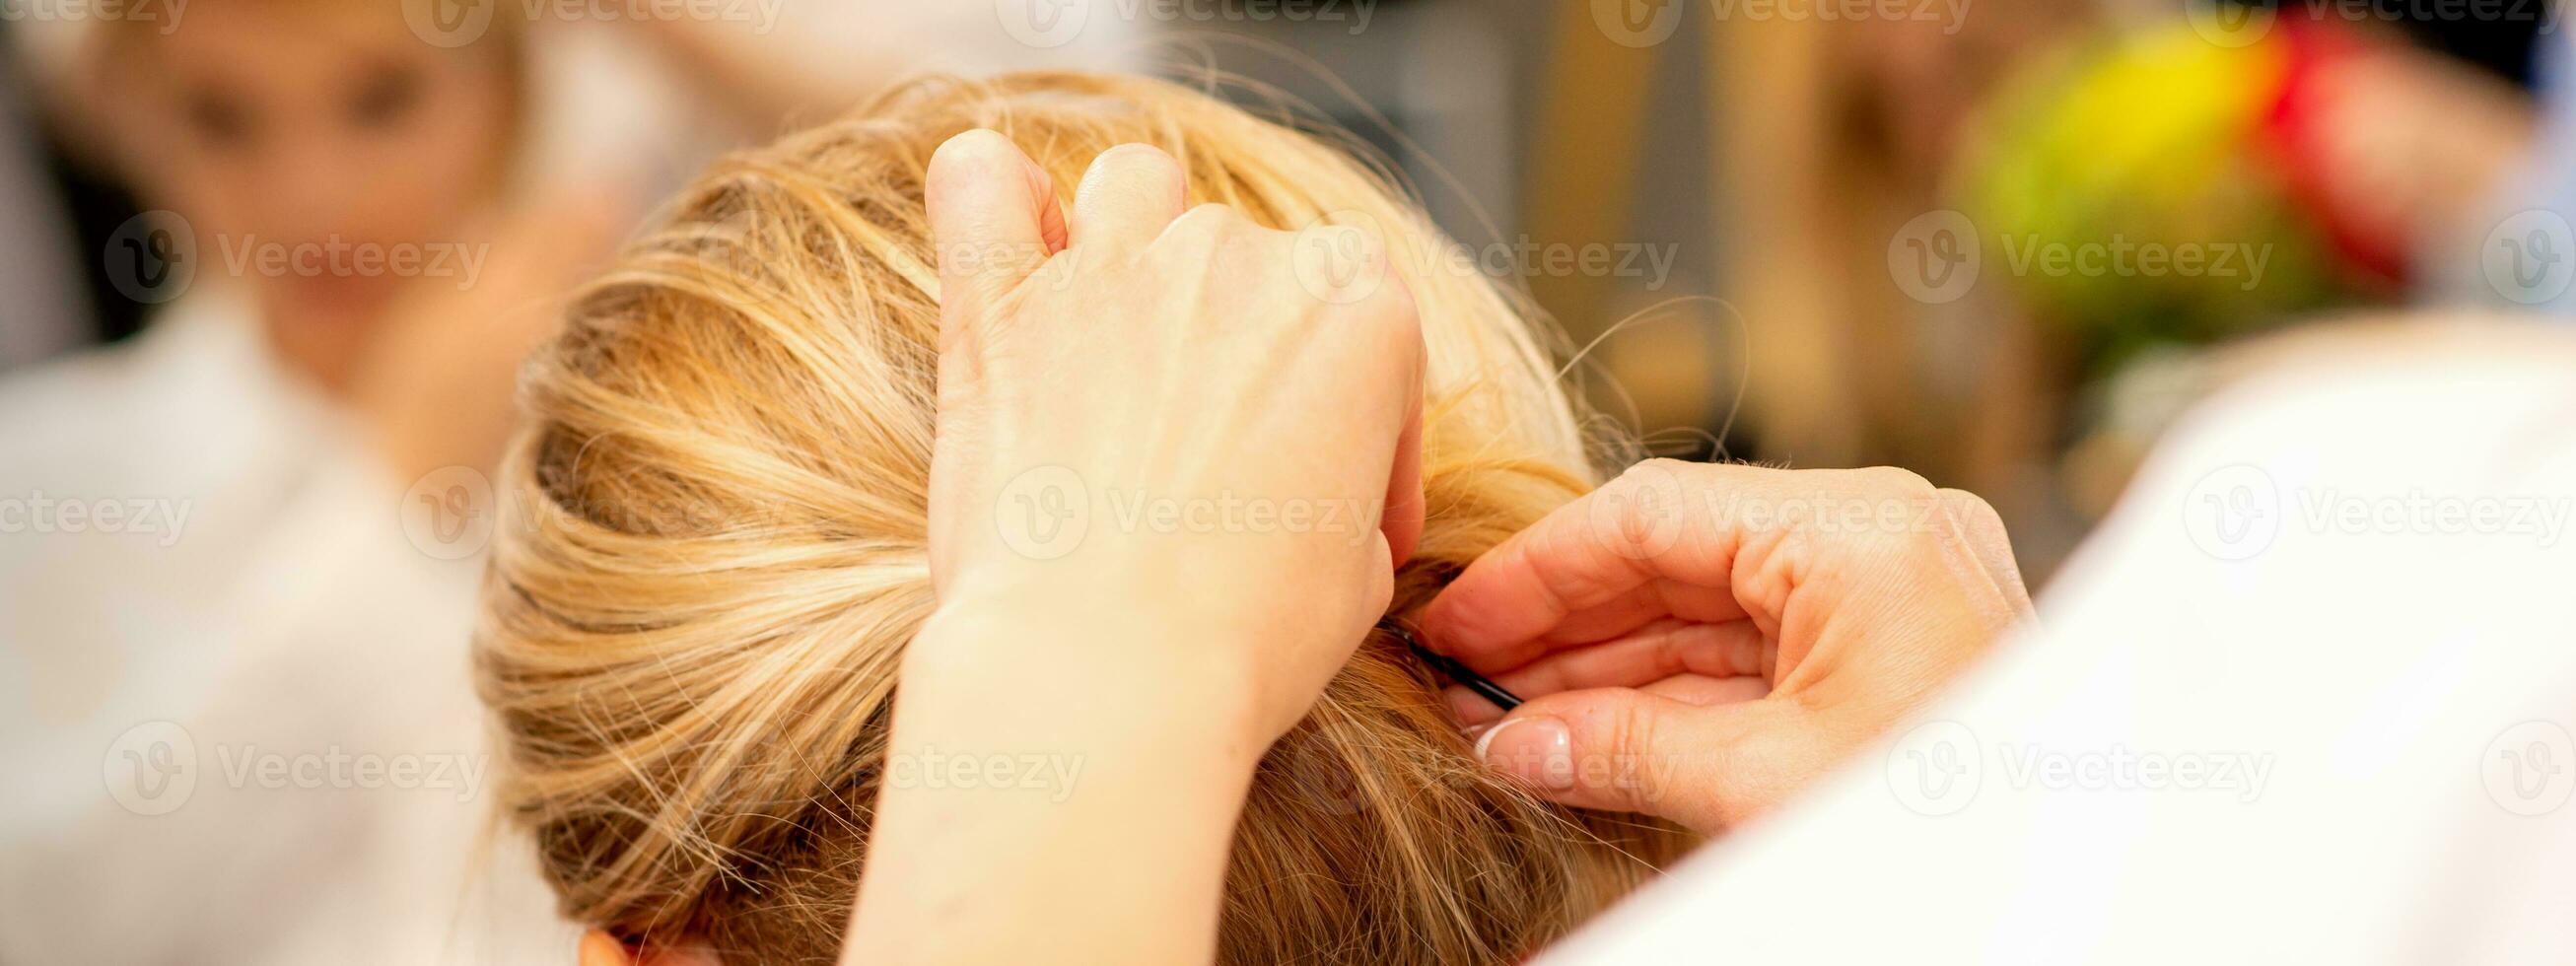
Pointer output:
x,y
1171,453
437,388
1698,642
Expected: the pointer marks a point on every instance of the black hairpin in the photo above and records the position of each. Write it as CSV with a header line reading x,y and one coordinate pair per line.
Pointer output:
x,y
1450,667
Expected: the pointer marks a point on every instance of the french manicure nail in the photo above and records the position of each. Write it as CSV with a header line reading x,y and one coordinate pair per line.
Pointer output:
x,y
1537,750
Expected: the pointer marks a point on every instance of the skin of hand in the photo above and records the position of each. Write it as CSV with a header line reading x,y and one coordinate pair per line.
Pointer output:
x,y
438,386
1133,355
1698,642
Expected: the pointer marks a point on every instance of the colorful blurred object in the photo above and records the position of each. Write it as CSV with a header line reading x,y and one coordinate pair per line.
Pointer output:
x,y
2146,189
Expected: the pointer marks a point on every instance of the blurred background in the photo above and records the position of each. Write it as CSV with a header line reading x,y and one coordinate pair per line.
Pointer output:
x,y
266,267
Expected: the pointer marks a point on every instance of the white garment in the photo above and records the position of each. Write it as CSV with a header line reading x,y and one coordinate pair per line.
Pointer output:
x,y
239,727
236,719
2372,685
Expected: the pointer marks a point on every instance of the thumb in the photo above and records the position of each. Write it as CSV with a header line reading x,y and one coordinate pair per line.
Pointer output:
x,y
1707,767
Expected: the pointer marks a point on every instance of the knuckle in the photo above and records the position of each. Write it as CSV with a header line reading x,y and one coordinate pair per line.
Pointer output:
x,y
1892,481
1399,342
1203,222
1663,465
1393,308
1659,473
1644,469
1366,244
1632,725
1970,509
1137,167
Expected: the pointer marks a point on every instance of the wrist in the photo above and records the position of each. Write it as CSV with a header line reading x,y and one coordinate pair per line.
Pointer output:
x,y
1114,680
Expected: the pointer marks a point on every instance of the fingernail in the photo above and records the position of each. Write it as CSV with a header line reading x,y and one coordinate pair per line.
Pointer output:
x,y
1537,750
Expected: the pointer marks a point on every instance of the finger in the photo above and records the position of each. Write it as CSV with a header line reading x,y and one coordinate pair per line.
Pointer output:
x,y
1685,688
1130,194
1620,749
1475,713
993,220
1706,691
1631,612
1609,546
1403,519
1983,529
1658,651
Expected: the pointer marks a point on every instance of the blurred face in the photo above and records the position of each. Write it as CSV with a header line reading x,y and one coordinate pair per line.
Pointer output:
x,y
313,146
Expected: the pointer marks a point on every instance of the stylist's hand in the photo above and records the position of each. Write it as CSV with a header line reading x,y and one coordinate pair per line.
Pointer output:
x,y
1698,642
1167,437
1159,459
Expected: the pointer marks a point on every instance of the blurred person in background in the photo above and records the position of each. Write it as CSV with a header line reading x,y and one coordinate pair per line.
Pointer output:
x,y
214,587
207,563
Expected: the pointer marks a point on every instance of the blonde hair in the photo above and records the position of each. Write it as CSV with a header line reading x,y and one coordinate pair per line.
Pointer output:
x,y
716,555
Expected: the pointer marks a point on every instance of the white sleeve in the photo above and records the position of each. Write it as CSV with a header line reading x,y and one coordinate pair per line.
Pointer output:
x,y
2307,697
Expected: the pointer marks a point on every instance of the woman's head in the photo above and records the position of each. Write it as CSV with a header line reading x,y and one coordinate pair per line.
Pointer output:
x,y
296,136
692,623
